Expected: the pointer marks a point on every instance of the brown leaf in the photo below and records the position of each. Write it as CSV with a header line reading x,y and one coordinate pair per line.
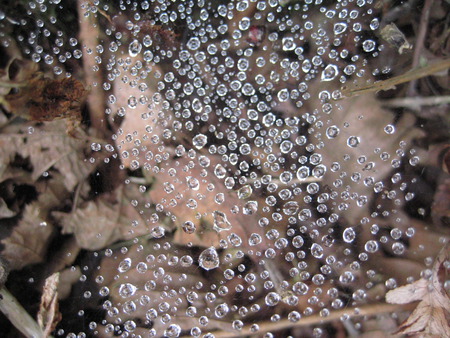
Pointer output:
x,y
48,148
49,316
27,244
362,120
101,222
140,124
430,316
42,99
198,203
440,209
5,212
144,278
94,226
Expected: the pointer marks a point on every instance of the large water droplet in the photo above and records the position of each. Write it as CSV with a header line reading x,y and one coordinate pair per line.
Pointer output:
x,y
329,73
209,259
221,222
134,48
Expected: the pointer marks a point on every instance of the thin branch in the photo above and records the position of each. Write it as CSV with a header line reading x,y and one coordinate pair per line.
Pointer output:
x,y
423,26
88,35
18,316
413,74
416,103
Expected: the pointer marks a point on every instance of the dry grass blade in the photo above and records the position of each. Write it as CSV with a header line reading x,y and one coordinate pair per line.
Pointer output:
x,y
411,75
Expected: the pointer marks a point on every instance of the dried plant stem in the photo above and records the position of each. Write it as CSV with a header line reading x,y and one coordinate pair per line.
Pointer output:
x,y
423,26
88,35
367,310
413,74
416,103
18,316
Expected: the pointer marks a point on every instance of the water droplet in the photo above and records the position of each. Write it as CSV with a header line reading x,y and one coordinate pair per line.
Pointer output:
x,y
348,235
245,192
329,73
199,141
134,48
221,310
332,132
221,222
353,141
389,129
127,290
250,208
272,299
317,250
339,28
209,259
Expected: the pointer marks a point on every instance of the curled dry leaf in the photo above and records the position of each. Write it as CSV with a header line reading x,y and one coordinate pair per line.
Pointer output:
x,y
431,315
27,244
41,99
49,316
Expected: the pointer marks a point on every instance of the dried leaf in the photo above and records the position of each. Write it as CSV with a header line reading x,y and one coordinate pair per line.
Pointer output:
x,y
440,209
189,199
367,131
101,222
27,244
49,316
48,148
94,226
140,126
395,37
430,316
42,99
5,212
142,280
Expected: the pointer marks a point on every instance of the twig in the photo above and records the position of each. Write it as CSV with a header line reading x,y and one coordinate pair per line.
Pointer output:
x,y
18,316
423,26
416,102
413,74
88,36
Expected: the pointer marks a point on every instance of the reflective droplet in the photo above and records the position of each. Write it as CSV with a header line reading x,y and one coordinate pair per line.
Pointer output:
x,y
245,192
329,73
209,259
134,48
199,141
221,222
348,235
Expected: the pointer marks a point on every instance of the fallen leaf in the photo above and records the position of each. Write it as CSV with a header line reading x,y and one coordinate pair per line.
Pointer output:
x,y
49,316
48,148
68,277
362,121
189,199
440,209
27,244
5,212
143,284
432,313
40,99
102,222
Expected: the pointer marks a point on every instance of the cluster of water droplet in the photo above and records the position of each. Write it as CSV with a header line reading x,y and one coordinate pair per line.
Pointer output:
x,y
233,120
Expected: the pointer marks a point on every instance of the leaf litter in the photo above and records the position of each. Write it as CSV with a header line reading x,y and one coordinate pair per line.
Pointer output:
x,y
230,187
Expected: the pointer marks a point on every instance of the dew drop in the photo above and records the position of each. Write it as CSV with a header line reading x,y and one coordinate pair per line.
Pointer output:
x,y
209,259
